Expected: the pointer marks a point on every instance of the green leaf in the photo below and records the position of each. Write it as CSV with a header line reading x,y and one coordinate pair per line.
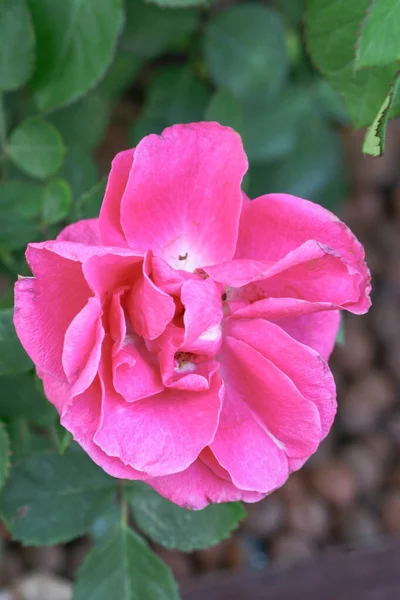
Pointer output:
x,y
374,141
76,41
84,122
179,3
21,197
244,48
378,41
4,454
17,44
150,30
225,109
122,566
80,170
57,201
120,76
20,204
36,147
292,10
25,442
21,396
332,27
312,165
13,358
271,131
174,96
88,205
178,528
51,498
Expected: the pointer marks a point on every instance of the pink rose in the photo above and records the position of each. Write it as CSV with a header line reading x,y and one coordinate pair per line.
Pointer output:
x,y
183,336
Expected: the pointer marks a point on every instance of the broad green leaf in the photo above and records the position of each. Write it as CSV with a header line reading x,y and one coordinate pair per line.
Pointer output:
x,y
51,498
17,44
120,75
26,442
36,147
21,197
16,233
57,201
80,170
225,109
179,3
88,205
20,205
150,30
374,141
271,130
332,28
379,38
4,454
13,358
178,528
330,102
292,10
312,165
84,122
244,48
174,96
76,41
122,566
21,397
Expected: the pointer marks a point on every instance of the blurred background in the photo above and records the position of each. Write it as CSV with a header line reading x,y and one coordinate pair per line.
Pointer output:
x,y
244,65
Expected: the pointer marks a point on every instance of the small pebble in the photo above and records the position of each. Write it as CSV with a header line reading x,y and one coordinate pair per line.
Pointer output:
x,y
309,518
391,512
335,482
290,549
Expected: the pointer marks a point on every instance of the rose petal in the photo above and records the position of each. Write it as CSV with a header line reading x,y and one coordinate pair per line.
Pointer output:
x,y
305,368
202,316
245,449
81,418
46,305
162,434
136,372
317,330
82,346
111,232
83,232
183,197
197,486
272,397
150,309
312,272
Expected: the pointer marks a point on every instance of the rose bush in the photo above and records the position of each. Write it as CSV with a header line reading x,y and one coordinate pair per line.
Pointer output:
x,y
183,335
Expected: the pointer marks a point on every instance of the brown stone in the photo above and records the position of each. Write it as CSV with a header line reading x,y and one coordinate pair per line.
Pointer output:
x,y
335,482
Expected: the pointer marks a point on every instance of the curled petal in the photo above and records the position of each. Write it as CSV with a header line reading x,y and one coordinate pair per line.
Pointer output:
x,y
136,372
46,305
150,309
110,228
82,346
